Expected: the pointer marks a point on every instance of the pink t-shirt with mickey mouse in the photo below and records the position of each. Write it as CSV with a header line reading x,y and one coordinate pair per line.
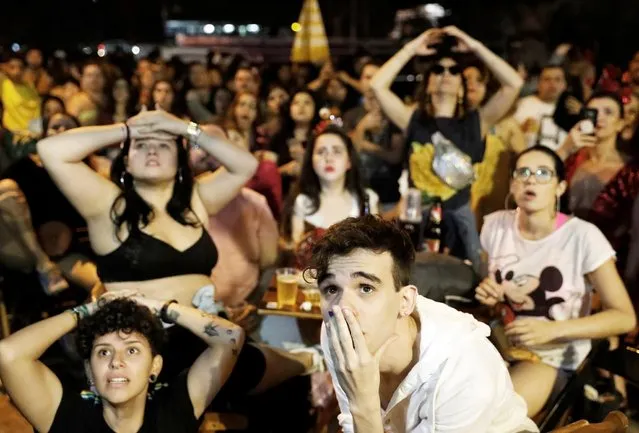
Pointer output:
x,y
545,279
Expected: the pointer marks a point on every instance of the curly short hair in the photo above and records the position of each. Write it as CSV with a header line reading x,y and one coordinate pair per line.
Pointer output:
x,y
368,232
120,315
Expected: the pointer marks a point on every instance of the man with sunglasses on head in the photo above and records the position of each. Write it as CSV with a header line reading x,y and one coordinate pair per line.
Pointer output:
x,y
402,363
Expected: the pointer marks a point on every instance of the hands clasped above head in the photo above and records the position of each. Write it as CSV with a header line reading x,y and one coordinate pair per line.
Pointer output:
x,y
425,44
156,124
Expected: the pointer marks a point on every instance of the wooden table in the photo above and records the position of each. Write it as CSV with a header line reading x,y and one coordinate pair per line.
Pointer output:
x,y
309,323
295,311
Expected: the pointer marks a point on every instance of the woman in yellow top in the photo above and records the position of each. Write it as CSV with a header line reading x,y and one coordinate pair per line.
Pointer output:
x,y
20,101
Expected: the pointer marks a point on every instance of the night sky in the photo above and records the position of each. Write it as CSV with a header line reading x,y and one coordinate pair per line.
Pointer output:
x,y
609,25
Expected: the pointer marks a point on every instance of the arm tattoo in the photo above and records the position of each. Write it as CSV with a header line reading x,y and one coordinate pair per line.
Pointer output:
x,y
211,330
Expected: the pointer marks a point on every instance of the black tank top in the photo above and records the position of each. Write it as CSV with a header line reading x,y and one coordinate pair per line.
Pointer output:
x,y
142,257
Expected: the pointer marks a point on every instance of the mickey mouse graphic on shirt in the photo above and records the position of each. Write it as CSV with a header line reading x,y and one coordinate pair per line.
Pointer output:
x,y
529,295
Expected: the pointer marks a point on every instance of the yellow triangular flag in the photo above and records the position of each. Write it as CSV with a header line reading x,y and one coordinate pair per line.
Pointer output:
x,y
311,43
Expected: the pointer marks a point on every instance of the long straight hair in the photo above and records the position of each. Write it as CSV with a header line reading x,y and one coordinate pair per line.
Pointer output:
x,y
309,183
137,213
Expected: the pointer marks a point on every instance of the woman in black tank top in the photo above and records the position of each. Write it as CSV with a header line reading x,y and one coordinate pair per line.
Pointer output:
x,y
153,201
442,124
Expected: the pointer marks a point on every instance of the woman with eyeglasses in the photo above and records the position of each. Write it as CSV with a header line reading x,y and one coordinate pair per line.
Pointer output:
x,y
443,127
545,266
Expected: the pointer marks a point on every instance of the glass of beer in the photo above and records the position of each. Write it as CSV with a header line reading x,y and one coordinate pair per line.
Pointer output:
x,y
286,286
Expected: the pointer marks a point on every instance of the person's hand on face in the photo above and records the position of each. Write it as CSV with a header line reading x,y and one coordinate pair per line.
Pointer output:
x,y
531,332
356,367
489,292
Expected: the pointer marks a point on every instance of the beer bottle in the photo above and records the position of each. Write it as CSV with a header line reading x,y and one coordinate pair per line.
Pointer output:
x,y
410,219
434,232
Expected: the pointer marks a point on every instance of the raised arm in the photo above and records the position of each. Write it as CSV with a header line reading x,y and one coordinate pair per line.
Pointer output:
x,y
398,112
213,367
63,155
511,83
214,189
33,388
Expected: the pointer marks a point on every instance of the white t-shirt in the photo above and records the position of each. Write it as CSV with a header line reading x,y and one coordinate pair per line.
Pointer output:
x,y
545,279
459,384
533,107
303,207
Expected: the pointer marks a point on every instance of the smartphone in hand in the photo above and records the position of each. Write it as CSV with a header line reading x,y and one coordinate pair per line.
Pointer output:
x,y
589,121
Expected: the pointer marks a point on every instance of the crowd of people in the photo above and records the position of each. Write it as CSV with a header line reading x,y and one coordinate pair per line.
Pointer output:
x,y
169,193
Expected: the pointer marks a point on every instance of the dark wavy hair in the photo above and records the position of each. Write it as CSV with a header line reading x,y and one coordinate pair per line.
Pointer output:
x,y
137,212
121,316
424,101
279,143
309,183
368,232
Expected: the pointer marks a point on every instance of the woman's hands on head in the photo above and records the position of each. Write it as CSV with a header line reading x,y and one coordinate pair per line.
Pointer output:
x,y
156,124
152,304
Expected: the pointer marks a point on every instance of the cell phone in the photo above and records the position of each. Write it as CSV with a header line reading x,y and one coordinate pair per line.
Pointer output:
x,y
590,115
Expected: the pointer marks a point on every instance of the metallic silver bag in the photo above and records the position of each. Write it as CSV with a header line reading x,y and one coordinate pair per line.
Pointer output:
x,y
450,164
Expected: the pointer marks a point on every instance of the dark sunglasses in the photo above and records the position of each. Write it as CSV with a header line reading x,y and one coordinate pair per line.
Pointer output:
x,y
452,70
542,174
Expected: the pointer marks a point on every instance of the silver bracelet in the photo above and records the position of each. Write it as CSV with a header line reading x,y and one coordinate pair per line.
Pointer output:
x,y
193,131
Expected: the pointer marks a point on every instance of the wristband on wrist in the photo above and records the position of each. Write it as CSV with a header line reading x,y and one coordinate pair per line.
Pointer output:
x,y
164,311
80,312
127,132
193,132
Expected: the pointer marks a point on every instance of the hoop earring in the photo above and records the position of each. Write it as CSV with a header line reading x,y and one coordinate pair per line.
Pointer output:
x,y
152,378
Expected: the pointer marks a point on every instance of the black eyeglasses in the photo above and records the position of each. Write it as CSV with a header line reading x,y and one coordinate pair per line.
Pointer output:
x,y
542,174
452,70
60,126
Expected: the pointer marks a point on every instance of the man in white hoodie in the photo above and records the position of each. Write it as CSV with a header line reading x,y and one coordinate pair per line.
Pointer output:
x,y
400,362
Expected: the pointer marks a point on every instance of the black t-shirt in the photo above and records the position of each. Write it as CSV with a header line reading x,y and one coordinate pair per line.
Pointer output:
x,y
464,132
169,411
